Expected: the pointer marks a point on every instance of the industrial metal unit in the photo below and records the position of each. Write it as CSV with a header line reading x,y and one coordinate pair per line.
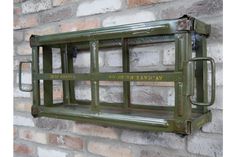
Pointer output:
x,y
190,76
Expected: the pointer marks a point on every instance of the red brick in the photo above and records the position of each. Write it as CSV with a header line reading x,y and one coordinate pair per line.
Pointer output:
x,y
56,15
23,48
54,139
195,9
23,106
75,143
57,2
79,25
95,130
108,150
136,3
53,124
44,30
25,21
33,135
23,149
26,67
60,2
57,93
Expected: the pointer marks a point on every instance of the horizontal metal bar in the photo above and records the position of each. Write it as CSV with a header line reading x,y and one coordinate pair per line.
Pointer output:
x,y
156,76
114,43
160,27
118,105
138,107
101,34
132,119
112,117
141,107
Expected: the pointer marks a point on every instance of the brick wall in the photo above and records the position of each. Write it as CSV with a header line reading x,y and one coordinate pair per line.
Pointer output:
x,y
46,137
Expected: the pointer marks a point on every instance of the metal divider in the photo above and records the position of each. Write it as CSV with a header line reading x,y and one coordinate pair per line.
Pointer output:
x,y
94,69
126,69
201,73
71,70
183,52
47,68
64,63
36,87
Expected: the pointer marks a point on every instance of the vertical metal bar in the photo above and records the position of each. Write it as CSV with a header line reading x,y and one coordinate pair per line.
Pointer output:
x,y
36,86
126,68
94,68
178,110
183,48
71,70
201,73
64,63
47,68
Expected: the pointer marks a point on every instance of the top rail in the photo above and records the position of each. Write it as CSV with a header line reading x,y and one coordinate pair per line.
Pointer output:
x,y
160,27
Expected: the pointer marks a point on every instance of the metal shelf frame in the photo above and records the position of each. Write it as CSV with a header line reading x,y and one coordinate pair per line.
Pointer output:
x,y
188,34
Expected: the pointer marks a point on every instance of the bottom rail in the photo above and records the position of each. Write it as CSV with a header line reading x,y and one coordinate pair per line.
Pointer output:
x,y
132,119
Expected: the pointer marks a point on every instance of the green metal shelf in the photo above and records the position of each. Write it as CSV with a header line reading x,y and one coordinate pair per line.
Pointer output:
x,y
186,32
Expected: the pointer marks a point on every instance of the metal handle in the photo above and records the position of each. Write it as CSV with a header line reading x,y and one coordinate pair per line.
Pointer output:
x,y
20,77
213,84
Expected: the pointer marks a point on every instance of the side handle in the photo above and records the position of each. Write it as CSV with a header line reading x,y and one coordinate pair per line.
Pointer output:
x,y
20,76
213,84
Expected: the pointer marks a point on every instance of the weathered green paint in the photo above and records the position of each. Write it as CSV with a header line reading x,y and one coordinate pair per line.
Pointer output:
x,y
116,43
160,27
201,120
47,68
36,86
132,76
71,70
94,69
65,69
186,49
201,72
181,118
183,49
126,69
211,60
154,123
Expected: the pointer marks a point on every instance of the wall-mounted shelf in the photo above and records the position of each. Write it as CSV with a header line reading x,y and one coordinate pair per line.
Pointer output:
x,y
187,33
